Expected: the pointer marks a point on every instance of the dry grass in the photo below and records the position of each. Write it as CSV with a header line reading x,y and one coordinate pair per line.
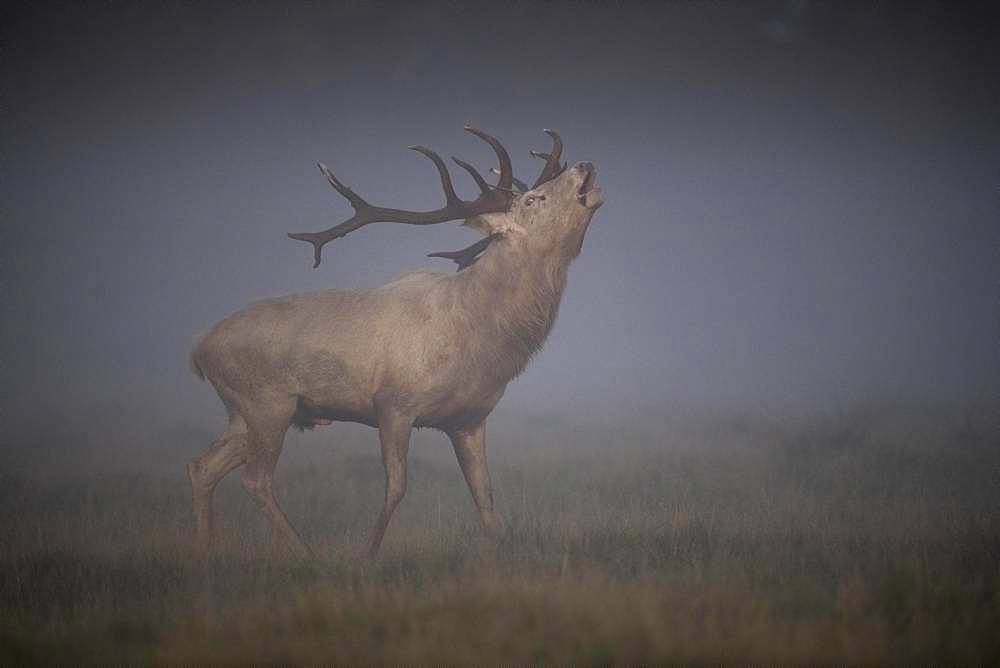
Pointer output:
x,y
868,538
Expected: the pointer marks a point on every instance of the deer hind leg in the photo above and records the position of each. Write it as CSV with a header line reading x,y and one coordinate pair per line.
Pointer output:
x,y
394,437
470,448
225,454
266,439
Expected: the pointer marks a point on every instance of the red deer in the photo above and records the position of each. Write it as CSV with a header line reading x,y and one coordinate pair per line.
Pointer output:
x,y
427,350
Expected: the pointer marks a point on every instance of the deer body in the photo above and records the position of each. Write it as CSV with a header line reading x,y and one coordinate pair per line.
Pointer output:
x,y
426,350
341,351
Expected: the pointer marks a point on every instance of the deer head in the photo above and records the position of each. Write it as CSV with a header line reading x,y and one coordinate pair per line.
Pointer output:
x,y
552,215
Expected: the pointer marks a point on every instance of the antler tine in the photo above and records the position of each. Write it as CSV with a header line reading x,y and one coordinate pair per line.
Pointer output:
x,y
506,169
552,165
518,183
477,177
468,255
545,156
491,200
356,200
318,239
449,191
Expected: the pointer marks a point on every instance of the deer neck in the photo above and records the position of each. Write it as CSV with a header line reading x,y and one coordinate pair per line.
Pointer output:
x,y
515,295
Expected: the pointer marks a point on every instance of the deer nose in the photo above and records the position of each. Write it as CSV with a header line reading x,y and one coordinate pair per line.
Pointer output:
x,y
584,166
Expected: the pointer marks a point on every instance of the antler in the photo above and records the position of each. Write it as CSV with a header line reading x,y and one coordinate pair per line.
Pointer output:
x,y
518,183
552,168
463,258
491,200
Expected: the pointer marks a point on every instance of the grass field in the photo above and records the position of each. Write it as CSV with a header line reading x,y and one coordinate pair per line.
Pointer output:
x,y
869,536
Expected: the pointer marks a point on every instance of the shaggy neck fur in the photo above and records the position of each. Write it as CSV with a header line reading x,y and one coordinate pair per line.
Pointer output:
x,y
515,294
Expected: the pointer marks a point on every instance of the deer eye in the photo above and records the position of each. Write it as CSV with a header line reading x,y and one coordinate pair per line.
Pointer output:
x,y
529,200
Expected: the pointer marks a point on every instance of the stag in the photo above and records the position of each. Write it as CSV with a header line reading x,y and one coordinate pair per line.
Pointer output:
x,y
429,349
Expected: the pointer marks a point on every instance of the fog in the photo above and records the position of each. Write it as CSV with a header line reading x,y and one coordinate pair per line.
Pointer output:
x,y
763,429
801,198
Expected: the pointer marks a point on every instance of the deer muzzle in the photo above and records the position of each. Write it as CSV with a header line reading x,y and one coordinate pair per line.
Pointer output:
x,y
588,194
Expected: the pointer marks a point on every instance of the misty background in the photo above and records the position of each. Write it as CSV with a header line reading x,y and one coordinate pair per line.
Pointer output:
x,y
801,197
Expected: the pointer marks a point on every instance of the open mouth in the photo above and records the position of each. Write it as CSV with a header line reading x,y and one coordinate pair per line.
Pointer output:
x,y
587,185
588,194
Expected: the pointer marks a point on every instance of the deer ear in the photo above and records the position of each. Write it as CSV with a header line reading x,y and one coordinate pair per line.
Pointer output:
x,y
491,223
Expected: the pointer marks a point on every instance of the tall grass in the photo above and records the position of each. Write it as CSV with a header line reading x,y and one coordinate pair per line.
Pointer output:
x,y
869,536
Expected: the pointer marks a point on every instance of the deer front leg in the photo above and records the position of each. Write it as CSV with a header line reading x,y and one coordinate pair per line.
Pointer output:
x,y
394,436
470,448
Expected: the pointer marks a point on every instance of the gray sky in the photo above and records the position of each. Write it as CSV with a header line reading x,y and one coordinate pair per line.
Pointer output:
x,y
802,197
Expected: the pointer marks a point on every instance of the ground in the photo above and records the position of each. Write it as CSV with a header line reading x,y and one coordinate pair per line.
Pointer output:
x,y
862,536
